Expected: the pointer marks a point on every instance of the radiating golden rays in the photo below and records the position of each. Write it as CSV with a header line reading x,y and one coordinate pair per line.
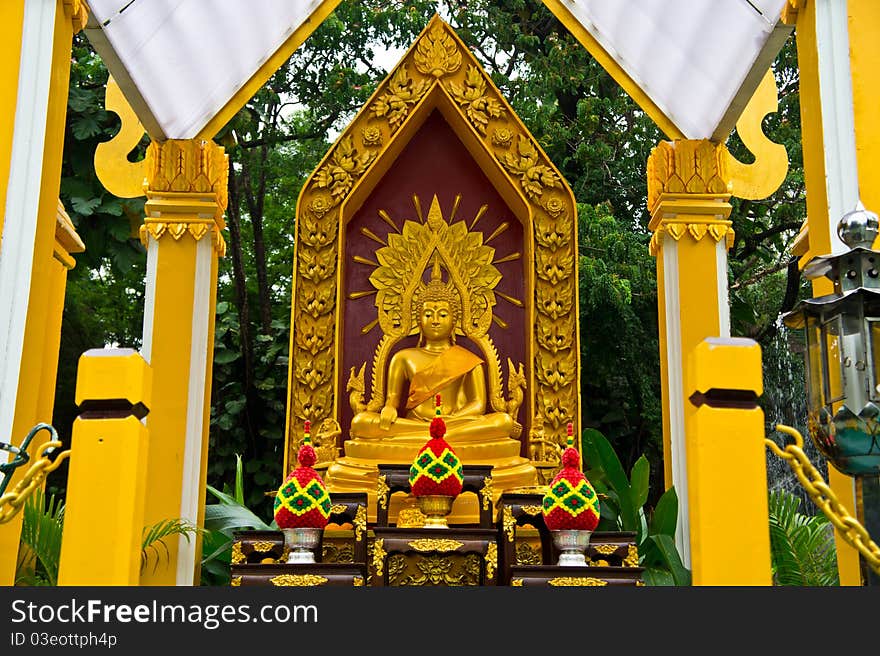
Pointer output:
x,y
386,218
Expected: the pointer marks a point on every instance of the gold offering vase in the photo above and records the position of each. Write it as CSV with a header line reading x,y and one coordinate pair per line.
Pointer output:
x,y
436,508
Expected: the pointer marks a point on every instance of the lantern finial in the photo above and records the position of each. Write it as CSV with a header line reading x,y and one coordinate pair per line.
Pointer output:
x,y
859,227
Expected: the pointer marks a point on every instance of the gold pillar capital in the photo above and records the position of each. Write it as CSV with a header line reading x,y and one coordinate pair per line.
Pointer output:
x,y
77,12
688,192
186,189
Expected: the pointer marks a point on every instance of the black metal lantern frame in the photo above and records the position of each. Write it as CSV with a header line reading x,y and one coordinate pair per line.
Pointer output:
x,y
842,331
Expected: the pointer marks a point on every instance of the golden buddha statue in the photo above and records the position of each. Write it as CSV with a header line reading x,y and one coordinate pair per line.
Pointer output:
x,y
393,425
436,366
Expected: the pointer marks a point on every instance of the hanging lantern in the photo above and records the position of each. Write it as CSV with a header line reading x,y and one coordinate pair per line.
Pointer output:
x,y
842,331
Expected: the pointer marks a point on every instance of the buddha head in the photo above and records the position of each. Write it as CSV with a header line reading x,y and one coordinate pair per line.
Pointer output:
x,y
438,310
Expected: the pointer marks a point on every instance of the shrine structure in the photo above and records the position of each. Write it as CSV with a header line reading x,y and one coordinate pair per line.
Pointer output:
x,y
436,251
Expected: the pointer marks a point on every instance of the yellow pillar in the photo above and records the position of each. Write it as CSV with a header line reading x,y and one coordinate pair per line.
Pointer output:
x,y
186,198
30,164
107,479
687,197
838,52
727,465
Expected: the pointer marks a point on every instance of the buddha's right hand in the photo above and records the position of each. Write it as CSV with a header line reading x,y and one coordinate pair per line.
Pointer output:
x,y
387,417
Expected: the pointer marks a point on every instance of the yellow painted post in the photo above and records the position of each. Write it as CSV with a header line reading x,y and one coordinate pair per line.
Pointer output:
x,y
688,200
727,465
186,198
31,242
107,479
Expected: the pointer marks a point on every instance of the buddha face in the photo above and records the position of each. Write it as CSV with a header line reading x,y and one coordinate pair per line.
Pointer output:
x,y
436,320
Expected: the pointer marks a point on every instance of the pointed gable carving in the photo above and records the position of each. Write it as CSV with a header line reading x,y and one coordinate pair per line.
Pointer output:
x,y
438,74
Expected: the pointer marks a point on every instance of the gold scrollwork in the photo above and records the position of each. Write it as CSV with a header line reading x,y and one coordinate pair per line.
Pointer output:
x,y
486,492
358,581
605,549
532,510
432,544
576,581
534,176
262,546
632,556
337,508
346,165
382,490
237,555
378,555
360,523
235,581
516,583
491,560
509,523
298,580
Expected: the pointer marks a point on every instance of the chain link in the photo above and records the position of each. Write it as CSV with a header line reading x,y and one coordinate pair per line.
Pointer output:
x,y
12,502
823,496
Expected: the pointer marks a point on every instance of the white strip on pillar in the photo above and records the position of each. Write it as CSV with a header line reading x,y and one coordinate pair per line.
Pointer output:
x,y
149,297
676,395
838,124
723,300
22,199
191,493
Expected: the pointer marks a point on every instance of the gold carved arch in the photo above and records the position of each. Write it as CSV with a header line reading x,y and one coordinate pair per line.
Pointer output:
x,y
437,72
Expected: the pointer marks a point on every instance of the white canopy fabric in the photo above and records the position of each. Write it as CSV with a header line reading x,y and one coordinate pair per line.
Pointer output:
x,y
180,62
697,61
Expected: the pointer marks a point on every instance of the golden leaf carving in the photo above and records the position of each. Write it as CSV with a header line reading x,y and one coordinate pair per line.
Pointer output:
x,y
553,233
317,233
298,580
554,301
533,176
317,266
437,53
314,371
235,581
262,546
431,544
382,490
534,511
697,230
343,169
311,335
516,583
555,336
692,166
360,522
401,93
552,407
314,407
553,267
605,549
319,299
478,105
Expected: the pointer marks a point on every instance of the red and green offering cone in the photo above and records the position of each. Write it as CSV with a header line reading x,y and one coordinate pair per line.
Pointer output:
x,y
303,501
571,503
436,469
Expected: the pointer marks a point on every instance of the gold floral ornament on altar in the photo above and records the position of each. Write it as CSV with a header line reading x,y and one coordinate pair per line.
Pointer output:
x,y
471,278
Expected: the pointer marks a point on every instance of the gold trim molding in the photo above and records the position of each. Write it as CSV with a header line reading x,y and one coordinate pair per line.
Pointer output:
x,y
491,560
431,544
298,580
577,581
686,166
438,71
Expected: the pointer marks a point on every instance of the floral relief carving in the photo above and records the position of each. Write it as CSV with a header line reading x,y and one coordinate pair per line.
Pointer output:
x,y
402,93
525,164
437,54
372,136
344,168
479,107
502,137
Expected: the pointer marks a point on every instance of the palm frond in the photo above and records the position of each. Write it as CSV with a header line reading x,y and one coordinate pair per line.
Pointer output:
x,y
802,547
154,538
41,531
